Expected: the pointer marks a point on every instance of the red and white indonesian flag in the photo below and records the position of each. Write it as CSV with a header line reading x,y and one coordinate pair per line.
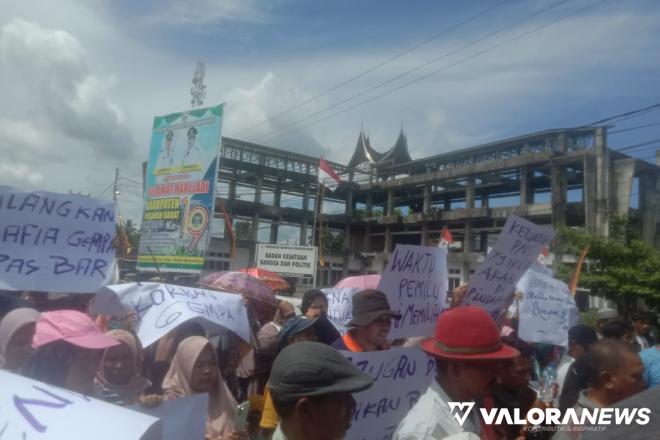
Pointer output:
x,y
327,176
445,237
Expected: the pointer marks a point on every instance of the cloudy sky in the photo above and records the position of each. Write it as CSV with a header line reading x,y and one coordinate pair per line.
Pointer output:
x,y
81,80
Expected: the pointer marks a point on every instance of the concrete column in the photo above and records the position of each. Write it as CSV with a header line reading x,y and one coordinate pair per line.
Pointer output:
x,y
589,193
370,204
426,205
526,190
649,198
624,171
388,239
277,196
469,192
558,195
602,182
447,204
467,241
424,235
305,206
347,250
390,202
349,204
367,239
232,190
484,200
257,189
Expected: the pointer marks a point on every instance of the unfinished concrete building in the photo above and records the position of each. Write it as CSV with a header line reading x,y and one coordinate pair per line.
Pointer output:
x,y
557,177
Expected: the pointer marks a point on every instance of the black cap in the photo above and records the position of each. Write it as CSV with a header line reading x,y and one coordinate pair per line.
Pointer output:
x,y
368,306
308,369
292,327
582,335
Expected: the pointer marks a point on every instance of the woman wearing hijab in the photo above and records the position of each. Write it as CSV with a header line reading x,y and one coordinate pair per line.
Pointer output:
x,y
195,369
120,378
68,349
16,332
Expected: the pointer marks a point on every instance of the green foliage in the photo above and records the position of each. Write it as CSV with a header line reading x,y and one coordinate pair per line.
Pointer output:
x,y
620,267
333,242
242,230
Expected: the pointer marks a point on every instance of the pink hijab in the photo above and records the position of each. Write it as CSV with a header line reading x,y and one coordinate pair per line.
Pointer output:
x,y
222,406
130,391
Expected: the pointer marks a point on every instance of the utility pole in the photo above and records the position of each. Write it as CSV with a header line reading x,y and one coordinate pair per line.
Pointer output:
x,y
115,189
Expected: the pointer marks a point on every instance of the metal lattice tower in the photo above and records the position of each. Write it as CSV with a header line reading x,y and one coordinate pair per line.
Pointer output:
x,y
198,89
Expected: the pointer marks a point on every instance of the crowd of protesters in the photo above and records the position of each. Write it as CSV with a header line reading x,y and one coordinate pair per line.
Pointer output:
x,y
300,387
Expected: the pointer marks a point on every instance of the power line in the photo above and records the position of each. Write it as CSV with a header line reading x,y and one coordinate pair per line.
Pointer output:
x,y
626,115
624,130
640,145
497,46
104,191
131,180
408,72
377,66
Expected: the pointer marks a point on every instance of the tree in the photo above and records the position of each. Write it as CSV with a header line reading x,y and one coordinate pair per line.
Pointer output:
x,y
242,230
621,267
333,243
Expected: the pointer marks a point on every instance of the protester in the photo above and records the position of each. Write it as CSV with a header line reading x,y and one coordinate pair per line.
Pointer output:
x,y
229,359
267,343
512,390
158,357
371,323
10,300
296,329
603,316
468,351
580,337
120,378
16,333
68,349
651,360
311,386
195,369
615,372
642,324
619,329
314,305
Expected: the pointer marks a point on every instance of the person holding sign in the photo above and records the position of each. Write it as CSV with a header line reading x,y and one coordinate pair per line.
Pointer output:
x,y
467,348
16,333
194,370
311,385
371,323
68,349
120,379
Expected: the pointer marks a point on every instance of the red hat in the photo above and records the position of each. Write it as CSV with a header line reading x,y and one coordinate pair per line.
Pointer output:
x,y
467,333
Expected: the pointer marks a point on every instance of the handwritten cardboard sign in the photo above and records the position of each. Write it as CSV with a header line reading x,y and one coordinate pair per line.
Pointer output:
x,y
55,242
34,410
516,249
159,308
401,376
415,282
547,310
340,305
183,418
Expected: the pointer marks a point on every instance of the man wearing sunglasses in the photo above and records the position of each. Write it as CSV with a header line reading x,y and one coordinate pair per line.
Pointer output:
x,y
371,323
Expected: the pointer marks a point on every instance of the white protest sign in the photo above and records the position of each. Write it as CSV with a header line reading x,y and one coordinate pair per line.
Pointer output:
x,y
415,282
159,308
183,418
401,376
34,410
55,242
516,249
547,310
340,305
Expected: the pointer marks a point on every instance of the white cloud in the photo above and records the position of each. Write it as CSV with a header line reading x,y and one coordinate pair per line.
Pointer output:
x,y
208,12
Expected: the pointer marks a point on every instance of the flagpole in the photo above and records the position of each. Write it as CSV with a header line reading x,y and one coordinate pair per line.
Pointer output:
x,y
316,202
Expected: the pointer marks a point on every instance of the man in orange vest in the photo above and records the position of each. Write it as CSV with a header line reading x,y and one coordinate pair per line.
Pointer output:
x,y
371,323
